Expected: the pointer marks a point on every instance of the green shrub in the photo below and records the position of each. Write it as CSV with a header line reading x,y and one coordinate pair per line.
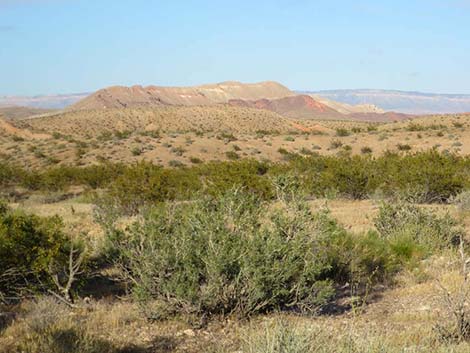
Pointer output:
x,y
10,174
195,160
334,144
356,129
232,155
342,132
420,177
144,183
233,253
227,137
306,151
17,138
136,151
122,135
403,147
179,151
402,221
176,164
28,246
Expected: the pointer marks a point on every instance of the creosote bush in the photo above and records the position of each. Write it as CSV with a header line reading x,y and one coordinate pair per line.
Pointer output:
x,y
403,223
426,177
235,253
28,246
231,254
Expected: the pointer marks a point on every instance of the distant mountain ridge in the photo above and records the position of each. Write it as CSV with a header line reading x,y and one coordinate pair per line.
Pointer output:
x,y
14,113
407,102
59,101
344,101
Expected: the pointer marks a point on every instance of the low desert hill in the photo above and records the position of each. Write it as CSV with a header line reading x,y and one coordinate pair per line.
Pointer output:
x,y
163,118
299,107
307,107
138,96
17,134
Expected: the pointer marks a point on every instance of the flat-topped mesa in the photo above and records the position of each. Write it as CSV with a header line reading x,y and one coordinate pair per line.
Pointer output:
x,y
139,96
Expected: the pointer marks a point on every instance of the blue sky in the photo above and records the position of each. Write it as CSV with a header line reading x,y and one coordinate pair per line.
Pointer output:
x,y
63,46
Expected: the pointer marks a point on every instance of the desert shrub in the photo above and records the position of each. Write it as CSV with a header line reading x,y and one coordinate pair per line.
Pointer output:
x,y
424,177
136,151
10,174
350,176
334,144
28,246
99,176
61,177
17,138
122,135
342,132
144,183
403,221
403,147
152,133
195,160
219,177
232,155
233,253
356,129
420,177
366,150
364,259
175,163
415,127
179,151
305,151
39,154
227,137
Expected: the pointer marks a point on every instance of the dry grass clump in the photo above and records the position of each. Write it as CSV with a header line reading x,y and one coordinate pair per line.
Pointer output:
x,y
46,325
288,335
